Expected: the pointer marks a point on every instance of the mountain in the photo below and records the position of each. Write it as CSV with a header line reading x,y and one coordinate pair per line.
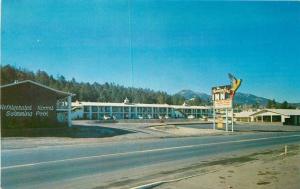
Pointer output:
x,y
188,94
249,99
240,98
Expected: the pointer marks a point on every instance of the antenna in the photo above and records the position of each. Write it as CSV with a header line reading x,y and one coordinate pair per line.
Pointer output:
x,y
130,46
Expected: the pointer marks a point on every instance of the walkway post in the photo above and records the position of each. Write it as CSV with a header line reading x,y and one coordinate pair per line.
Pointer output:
x,y
69,111
232,120
214,114
226,119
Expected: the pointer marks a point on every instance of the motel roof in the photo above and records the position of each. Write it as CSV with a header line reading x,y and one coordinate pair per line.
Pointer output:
x,y
286,112
61,93
244,114
137,105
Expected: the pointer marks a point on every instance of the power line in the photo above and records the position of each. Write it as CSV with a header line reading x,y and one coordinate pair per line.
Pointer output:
x,y
130,43
130,48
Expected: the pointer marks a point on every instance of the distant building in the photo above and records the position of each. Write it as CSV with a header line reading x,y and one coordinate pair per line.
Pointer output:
x,y
127,110
283,116
244,116
28,104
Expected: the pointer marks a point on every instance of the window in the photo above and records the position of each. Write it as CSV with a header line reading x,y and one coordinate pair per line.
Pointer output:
x,y
86,108
94,109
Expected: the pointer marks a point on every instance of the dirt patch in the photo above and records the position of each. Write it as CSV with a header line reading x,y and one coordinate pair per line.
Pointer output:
x,y
257,170
263,183
269,169
234,160
184,131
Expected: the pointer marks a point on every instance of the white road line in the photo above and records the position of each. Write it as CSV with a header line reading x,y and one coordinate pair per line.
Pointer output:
x,y
143,151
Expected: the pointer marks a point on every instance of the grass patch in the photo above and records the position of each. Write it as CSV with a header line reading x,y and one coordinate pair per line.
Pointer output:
x,y
73,132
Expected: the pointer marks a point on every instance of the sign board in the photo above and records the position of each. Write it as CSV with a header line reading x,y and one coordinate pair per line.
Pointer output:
x,y
11,110
220,122
28,105
222,96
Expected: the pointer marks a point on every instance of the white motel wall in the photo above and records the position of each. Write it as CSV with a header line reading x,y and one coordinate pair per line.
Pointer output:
x,y
126,110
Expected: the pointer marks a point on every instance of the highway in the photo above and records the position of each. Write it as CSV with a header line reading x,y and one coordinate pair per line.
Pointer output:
x,y
91,165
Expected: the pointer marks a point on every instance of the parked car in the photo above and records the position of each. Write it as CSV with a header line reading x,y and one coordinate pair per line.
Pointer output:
x,y
106,117
191,117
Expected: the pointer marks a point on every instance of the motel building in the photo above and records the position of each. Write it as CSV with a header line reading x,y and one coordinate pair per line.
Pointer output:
x,y
244,116
28,104
127,110
279,116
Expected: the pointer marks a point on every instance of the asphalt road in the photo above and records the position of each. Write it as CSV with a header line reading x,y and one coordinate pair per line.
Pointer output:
x,y
54,166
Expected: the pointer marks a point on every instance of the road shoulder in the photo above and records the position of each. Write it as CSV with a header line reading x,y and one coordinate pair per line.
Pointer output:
x,y
265,170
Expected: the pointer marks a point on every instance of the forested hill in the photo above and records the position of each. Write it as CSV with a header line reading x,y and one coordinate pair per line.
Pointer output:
x,y
95,92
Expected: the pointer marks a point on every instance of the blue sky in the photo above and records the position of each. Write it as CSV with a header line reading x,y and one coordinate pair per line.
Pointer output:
x,y
175,44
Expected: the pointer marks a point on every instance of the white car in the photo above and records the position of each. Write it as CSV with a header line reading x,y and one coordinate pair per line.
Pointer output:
x,y
106,117
191,117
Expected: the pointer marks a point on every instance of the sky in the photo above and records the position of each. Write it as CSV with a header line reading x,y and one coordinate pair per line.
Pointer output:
x,y
161,45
